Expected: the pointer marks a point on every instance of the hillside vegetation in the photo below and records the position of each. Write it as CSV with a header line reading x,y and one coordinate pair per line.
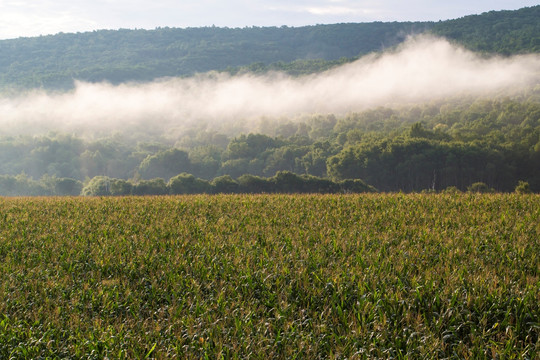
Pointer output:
x,y
501,32
53,62
143,55
428,147
449,143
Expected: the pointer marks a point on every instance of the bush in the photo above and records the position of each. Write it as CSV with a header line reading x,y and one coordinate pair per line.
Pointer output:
x,y
288,182
98,186
355,186
67,187
313,184
120,187
255,184
188,184
225,185
480,187
523,188
451,190
155,186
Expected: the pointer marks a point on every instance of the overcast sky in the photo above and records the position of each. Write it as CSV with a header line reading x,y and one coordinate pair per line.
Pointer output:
x,y
41,17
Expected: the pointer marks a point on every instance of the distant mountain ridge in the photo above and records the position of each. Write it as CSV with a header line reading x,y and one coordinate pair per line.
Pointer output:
x,y
501,32
116,56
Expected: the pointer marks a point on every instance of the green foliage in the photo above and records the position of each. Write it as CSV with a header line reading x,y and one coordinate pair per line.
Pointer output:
x,y
225,185
456,142
282,182
249,146
206,160
294,68
22,185
97,186
188,184
523,188
255,184
254,276
68,187
165,164
479,187
286,181
52,62
452,190
355,186
142,55
503,32
155,186
120,187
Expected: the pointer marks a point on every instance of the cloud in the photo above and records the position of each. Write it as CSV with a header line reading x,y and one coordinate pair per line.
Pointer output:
x,y
23,18
325,7
422,69
336,10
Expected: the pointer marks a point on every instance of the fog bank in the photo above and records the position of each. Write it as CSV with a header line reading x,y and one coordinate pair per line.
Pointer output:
x,y
422,69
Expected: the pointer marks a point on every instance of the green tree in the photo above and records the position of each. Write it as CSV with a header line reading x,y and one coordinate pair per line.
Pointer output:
x,y
120,187
188,184
288,182
480,187
355,186
523,188
225,185
155,186
255,184
165,164
67,187
97,186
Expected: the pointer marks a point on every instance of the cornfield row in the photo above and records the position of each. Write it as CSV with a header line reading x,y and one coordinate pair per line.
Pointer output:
x,y
271,276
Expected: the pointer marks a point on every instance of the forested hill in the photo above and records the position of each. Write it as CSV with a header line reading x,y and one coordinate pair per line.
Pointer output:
x,y
141,55
502,32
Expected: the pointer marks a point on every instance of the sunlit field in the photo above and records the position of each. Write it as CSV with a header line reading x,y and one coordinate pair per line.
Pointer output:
x,y
270,276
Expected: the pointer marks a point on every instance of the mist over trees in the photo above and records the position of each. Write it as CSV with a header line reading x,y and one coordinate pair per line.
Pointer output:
x,y
454,143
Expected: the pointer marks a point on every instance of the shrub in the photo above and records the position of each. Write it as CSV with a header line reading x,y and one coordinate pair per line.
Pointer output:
x,y
523,188
255,184
480,187
155,186
225,185
451,190
98,186
120,187
188,184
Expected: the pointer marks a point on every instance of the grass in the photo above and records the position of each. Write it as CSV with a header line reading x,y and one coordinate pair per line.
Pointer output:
x,y
271,276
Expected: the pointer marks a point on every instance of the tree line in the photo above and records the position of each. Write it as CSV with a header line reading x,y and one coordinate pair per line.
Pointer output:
x,y
434,146
282,182
501,32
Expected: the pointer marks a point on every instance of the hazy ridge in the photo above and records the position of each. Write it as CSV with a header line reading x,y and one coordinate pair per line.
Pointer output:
x,y
54,62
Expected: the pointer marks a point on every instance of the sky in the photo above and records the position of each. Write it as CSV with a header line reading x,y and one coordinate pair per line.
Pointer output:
x,y
20,18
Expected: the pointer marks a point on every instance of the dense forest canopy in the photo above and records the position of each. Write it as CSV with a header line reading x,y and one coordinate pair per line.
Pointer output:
x,y
54,61
452,141
143,55
501,32
424,147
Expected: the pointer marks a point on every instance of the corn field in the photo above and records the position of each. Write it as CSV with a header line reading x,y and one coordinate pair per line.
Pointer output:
x,y
271,276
